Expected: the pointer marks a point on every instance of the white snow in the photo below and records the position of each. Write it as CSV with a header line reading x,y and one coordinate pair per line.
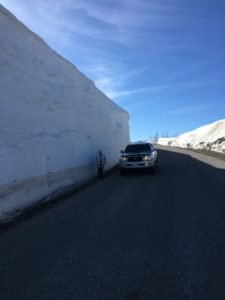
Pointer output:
x,y
210,137
53,120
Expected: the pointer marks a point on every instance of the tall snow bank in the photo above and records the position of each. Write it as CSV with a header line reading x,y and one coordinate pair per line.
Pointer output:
x,y
53,120
210,137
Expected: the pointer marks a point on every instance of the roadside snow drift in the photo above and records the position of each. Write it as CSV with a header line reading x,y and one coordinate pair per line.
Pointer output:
x,y
53,120
209,137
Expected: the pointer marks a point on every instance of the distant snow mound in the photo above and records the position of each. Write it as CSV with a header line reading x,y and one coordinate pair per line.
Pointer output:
x,y
209,137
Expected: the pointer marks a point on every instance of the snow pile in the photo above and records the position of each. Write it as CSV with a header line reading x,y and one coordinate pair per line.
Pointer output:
x,y
165,141
209,137
53,120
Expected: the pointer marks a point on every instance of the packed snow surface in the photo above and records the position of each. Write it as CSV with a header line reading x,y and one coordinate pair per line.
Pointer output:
x,y
53,120
210,137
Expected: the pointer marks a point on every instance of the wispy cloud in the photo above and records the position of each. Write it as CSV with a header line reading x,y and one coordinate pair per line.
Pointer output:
x,y
98,35
189,109
117,22
113,78
123,93
124,22
87,31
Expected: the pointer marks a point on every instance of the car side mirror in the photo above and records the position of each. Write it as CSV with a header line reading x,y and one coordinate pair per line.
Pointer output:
x,y
121,151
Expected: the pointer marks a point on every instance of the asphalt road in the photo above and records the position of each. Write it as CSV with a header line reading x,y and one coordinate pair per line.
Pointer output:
x,y
134,237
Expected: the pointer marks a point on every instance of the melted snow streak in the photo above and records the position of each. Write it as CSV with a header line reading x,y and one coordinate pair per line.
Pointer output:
x,y
209,137
53,120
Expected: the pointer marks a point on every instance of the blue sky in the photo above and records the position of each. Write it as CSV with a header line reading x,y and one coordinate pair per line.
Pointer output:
x,y
162,61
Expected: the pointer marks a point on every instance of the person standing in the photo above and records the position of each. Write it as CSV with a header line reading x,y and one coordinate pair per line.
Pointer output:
x,y
100,161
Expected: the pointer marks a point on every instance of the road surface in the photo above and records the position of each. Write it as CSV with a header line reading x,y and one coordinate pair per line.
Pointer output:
x,y
134,237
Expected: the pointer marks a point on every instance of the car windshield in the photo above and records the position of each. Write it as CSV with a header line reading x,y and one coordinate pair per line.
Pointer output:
x,y
138,148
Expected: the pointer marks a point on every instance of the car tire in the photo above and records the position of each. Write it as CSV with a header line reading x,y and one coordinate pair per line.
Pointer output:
x,y
153,169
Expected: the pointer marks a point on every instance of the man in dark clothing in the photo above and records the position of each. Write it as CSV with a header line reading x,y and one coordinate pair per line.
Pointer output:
x,y
100,161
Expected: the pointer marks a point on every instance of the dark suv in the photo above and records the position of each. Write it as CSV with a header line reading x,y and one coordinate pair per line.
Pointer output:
x,y
140,155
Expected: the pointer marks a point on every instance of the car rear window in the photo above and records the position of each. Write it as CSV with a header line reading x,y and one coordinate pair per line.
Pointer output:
x,y
138,148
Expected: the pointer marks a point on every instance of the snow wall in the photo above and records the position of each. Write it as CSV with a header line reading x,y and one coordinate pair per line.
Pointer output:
x,y
53,120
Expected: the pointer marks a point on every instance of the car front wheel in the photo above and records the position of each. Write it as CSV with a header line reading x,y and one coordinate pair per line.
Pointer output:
x,y
153,169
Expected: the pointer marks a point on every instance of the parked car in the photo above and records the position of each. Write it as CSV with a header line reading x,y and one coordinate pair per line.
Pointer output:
x,y
139,155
